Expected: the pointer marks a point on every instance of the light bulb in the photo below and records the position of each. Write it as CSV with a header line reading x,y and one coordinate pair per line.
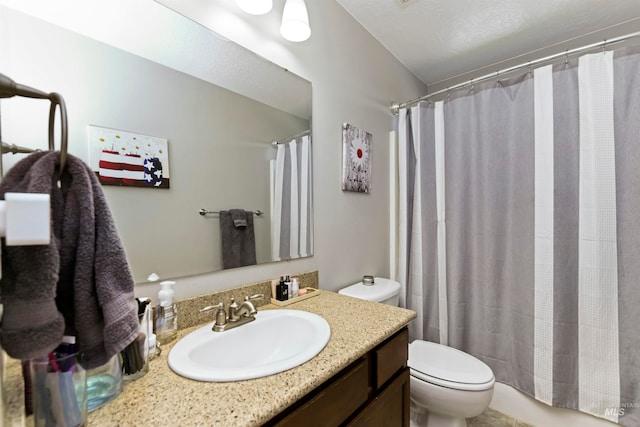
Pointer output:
x,y
255,7
295,21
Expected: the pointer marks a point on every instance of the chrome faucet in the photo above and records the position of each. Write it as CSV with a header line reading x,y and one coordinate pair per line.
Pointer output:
x,y
238,314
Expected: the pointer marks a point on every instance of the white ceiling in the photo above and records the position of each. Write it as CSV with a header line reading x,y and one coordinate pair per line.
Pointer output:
x,y
442,41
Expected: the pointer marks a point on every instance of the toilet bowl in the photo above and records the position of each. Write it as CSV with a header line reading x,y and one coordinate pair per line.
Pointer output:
x,y
446,385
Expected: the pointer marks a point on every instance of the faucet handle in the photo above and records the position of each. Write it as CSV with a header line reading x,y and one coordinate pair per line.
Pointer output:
x,y
208,308
254,297
221,315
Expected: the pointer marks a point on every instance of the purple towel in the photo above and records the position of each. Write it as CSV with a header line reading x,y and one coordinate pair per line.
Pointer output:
x,y
78,285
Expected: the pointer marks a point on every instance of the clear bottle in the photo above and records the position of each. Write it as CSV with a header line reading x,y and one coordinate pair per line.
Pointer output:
x,y
167,315
295,287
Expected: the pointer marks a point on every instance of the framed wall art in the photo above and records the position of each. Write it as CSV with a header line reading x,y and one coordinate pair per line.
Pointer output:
x,y
128,159
356,159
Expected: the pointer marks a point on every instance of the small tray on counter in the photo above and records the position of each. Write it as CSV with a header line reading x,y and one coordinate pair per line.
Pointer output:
x,y
311,292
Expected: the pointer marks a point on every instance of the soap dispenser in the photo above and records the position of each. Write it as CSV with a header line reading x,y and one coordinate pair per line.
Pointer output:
x,y
166,314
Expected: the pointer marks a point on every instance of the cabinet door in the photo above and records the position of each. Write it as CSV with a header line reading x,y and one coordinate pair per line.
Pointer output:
x,y
390,408
334,404
391,357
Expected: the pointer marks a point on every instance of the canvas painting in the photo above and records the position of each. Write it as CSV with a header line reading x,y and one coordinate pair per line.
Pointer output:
x,y
128,159
356,159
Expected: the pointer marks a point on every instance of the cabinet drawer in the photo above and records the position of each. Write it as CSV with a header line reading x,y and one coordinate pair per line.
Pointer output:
x,y
335,403
391,357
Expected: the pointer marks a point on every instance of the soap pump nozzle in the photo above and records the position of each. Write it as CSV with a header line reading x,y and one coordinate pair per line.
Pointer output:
x,y
166,293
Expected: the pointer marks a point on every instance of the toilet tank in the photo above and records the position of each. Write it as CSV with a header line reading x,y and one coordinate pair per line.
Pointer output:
x,y
385,291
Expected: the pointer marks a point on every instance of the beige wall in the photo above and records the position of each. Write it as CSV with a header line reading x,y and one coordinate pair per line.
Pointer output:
x,y
354,80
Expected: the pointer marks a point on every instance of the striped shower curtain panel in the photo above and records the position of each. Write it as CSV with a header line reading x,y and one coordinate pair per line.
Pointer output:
x,y
291,201
519,228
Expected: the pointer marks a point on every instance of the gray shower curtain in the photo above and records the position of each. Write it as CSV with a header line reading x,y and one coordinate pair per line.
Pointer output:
x,y
489,188
520,229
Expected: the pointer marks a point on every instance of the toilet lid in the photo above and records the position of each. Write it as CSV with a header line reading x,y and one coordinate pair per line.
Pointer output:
x,y
447,363
381,290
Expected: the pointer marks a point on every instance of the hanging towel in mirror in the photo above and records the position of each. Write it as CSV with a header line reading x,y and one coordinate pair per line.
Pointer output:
x,y
238,242
80,284
239,218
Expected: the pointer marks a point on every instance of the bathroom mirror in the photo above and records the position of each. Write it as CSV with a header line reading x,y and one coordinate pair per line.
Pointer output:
x,y
220,107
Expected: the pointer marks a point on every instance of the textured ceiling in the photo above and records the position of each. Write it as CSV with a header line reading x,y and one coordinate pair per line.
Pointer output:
x,y
440,40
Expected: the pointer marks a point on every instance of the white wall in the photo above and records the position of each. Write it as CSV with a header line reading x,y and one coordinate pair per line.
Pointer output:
x,y
354,80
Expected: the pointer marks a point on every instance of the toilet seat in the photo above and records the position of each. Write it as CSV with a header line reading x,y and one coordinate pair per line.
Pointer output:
x,y
448,367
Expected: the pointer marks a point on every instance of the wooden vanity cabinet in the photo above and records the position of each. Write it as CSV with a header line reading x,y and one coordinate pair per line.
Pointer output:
x,y
372,391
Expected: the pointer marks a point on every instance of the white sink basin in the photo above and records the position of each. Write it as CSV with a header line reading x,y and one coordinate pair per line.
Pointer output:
x,y
276,341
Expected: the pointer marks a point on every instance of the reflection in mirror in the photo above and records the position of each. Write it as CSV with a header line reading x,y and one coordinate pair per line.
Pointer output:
x,y
226,150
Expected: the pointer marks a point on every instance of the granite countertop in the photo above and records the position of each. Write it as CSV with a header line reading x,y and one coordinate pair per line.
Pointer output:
x,y
162,397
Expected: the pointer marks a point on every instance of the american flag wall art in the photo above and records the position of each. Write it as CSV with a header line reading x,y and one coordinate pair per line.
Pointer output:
x,y
128,159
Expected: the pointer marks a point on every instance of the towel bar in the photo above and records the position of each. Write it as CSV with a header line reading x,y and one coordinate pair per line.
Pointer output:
x,y
204,212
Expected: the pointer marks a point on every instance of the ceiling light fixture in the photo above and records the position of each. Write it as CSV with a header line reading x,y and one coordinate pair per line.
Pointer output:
x,y
295,21
255,7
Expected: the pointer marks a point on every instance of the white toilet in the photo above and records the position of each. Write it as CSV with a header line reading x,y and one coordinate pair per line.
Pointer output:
x,y
447,385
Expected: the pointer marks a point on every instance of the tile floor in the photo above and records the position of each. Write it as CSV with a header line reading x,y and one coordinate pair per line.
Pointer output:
x,y
491,418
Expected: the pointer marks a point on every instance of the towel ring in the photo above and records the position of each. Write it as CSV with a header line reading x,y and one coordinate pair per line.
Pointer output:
x,y
57,100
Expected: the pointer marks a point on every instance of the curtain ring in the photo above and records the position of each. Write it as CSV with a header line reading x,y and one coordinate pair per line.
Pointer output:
x,y
566,57
471,85
604,46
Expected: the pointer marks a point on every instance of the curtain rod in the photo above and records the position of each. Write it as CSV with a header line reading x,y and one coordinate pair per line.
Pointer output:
x,y
290,138
395,107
